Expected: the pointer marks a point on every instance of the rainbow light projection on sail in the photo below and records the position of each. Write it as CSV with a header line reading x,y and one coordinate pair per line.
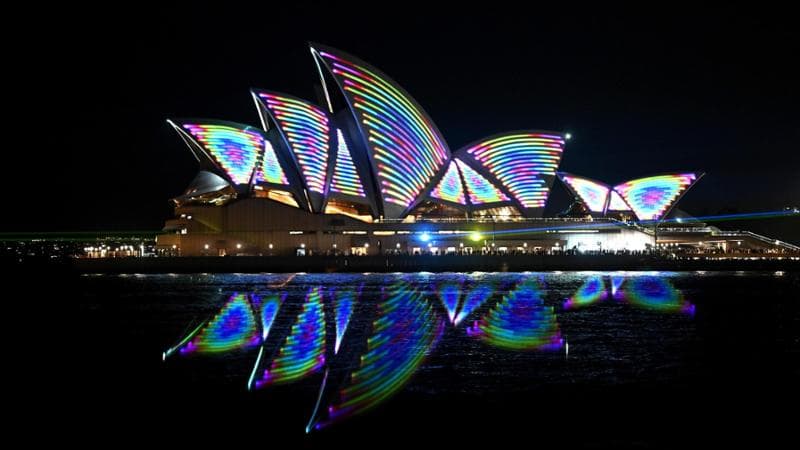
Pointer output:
x,y
655,293
306,128
406,148
449,294
520,322
651,197
522,162
450,187
592,193
303,353
343,309
405,330
236,150
473,300
233,328
617,203
479,188
269,169
345,178
592,291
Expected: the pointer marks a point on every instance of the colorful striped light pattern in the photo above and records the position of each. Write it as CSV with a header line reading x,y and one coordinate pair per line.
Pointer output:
x,y
303,353
306,128
405,330
450,187
592,193
236,150
656,294
473,300
617,203
592,291
479,188
449,294
406,148
616,283
343,309
270,306
233,328
522,162
651,197
345,178
520,322
269,170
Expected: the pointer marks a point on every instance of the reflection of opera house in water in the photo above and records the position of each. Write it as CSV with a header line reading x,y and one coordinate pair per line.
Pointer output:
x,y
359,345
368,172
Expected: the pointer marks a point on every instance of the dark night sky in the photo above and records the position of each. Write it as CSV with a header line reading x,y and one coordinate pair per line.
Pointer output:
x,y
642,92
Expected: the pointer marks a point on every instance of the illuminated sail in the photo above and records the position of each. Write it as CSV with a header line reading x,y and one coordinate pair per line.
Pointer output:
x,y
524,162
345,177
235,148
405,147
592,193
481,191
450,187
616,203
651,197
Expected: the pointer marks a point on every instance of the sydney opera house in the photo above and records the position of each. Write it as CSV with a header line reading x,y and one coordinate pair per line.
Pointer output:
x,y
366,171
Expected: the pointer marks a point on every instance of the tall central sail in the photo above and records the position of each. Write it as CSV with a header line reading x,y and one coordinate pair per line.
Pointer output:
x,y
405,148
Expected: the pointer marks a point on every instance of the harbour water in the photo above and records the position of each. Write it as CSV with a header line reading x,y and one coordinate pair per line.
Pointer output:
x,y
595,359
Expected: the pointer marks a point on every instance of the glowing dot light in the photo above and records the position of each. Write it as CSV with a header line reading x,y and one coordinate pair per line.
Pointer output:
x,y
406,148
236,150
303,352
651,197
591,193
523,162
306,129
345,178
450,187
479,188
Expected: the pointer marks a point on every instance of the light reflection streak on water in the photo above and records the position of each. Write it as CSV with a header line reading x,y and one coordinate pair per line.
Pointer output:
x,y
407,326
592,291
405,330
473,299
655,294
343,310
521,321
303,352
233,328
